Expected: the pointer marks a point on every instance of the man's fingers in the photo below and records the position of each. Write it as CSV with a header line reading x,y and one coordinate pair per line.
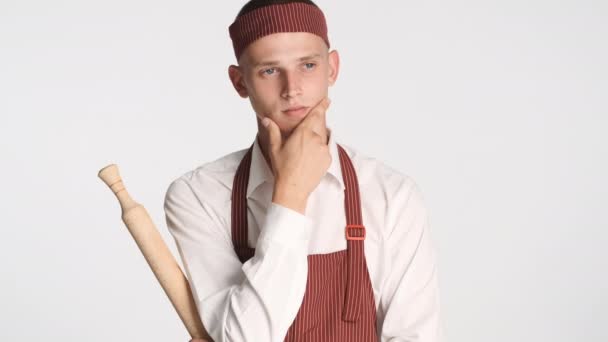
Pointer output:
x,y
274,134
321,106
316,118
317,123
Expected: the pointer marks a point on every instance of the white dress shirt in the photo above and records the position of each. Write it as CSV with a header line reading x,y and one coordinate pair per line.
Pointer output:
x,y
257,301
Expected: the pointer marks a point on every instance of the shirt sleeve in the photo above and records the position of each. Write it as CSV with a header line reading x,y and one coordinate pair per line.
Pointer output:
x,y
410,294
254,301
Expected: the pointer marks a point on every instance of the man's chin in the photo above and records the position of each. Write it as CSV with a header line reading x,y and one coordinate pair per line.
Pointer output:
x,y
286,134
287,131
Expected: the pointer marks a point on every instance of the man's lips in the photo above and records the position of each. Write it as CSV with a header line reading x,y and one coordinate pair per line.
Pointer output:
x,y
294,108
296,112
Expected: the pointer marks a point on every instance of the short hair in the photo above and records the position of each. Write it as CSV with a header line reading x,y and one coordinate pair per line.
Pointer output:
x,y
255,4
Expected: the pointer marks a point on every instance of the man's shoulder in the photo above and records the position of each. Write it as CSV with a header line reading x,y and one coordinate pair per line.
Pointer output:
x,y
388,187
375,172
211,179
226,164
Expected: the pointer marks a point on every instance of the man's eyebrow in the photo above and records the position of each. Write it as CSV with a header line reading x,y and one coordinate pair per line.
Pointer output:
x,y
277,62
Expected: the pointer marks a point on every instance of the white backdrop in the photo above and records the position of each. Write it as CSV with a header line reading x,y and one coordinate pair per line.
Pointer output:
x,y
498,109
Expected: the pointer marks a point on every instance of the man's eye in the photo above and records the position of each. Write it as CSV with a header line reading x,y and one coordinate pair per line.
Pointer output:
x,y
265,71
313,64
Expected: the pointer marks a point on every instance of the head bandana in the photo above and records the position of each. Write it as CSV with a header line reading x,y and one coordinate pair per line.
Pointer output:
x,y
289,17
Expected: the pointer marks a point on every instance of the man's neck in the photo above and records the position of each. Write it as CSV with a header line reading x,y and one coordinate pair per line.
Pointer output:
x,y
264,148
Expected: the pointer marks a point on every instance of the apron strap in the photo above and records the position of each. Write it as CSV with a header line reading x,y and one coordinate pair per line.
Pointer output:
x,y
355,235
239,209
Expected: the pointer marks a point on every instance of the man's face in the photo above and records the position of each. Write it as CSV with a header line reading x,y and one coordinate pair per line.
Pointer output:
x,y
282,71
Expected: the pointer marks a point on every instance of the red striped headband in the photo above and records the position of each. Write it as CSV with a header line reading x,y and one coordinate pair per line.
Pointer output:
x,y
289,17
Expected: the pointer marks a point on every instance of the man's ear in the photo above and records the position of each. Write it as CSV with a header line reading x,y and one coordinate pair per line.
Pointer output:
x,y
333,59
237,79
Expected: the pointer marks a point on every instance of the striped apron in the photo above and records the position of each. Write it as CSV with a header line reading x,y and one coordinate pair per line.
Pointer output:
x,y
338,304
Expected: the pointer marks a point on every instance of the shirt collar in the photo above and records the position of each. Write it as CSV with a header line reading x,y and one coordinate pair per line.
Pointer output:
x,y
261,172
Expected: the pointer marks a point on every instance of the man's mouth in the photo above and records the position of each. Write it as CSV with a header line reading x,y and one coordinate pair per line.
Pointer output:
x,y
297,111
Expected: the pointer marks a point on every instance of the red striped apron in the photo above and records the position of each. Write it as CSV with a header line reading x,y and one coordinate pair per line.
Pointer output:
x,y
339,303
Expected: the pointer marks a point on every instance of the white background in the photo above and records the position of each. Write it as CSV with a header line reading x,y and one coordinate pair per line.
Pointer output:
x,y
498,109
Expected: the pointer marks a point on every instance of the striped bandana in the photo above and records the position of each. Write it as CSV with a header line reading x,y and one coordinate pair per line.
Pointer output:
x,y
289,17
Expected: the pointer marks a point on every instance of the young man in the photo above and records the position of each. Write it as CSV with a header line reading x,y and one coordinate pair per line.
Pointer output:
x,y
299,238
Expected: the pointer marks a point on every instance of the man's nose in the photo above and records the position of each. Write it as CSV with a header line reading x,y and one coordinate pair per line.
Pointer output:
x,y
291,84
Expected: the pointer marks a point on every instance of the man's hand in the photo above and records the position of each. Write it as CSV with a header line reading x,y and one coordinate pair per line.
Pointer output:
x,y
299,162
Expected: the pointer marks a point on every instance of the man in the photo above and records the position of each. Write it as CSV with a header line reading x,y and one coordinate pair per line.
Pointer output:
x,y
299,238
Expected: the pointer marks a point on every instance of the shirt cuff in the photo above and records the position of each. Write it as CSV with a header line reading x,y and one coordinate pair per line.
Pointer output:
x,y
286,226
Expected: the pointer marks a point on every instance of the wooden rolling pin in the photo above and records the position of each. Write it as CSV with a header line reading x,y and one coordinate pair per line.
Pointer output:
x,y
156,253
